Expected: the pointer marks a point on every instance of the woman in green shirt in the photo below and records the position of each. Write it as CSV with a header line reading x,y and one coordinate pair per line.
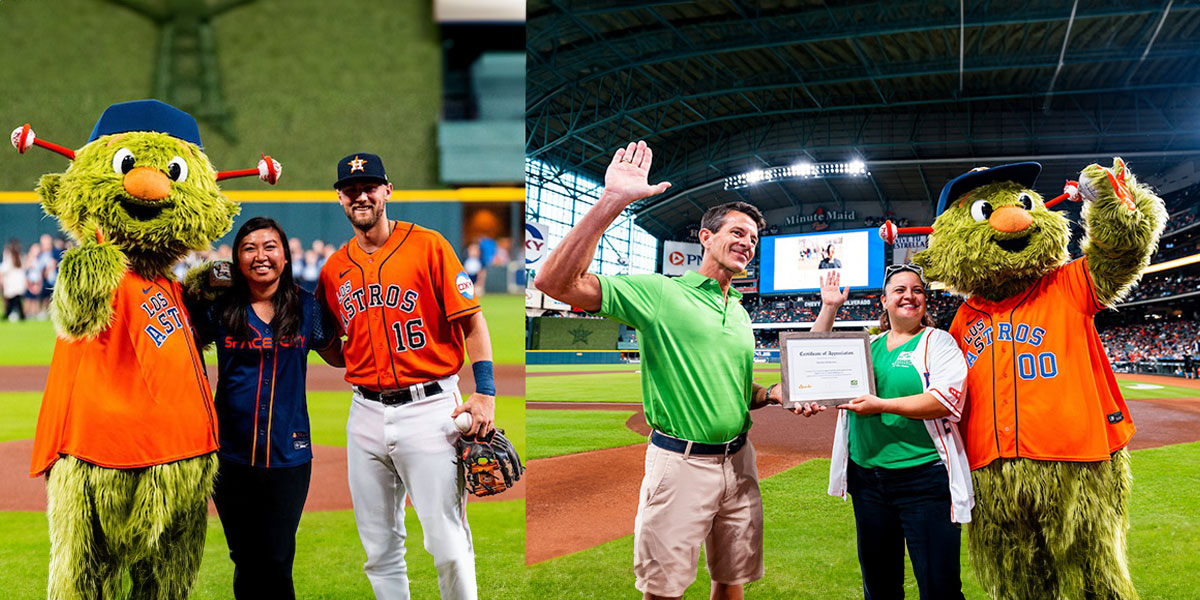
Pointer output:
x,y
898,452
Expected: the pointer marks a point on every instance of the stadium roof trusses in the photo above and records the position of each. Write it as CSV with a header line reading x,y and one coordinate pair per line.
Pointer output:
x,y
921,91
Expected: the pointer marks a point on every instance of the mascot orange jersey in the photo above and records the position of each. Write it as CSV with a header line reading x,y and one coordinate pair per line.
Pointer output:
x,y
129,374
1018,349
397,306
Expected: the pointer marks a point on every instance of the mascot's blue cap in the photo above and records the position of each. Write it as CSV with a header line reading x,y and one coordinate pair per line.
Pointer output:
x,y
147,115
1025,174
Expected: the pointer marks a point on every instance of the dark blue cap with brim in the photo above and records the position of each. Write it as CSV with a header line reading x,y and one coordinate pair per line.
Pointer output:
x,y
1025,174
147,115
361,166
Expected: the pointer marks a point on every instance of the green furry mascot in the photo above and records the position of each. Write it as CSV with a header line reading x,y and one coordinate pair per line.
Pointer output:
x,y
1045,426
127,433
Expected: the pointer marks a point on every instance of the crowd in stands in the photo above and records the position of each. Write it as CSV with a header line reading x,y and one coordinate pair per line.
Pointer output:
x,y
27,276
860,307
1174,340
1164,285
1181,220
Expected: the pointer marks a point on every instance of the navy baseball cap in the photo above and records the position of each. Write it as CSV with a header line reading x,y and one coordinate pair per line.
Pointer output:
x,y
361,166
147,115
1025,174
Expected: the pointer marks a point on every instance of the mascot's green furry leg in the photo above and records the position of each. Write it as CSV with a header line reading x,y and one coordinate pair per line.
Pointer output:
x,y
150,521
1053,530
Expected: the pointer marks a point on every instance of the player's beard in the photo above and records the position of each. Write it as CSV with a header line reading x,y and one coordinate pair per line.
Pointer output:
x,y
364,222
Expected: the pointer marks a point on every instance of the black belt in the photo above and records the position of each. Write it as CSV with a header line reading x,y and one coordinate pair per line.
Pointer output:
x,y
675,444
401,396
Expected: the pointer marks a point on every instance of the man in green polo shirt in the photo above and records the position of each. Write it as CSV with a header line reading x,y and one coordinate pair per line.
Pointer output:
x,y
701,482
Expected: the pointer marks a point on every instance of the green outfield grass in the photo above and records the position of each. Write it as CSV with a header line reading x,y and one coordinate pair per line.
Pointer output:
x,y
506,322
559,432
618,386
32,342
575,368
329,557
810,543
1137,390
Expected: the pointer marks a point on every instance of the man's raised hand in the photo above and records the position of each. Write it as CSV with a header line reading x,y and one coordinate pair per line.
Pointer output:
x,y
626,177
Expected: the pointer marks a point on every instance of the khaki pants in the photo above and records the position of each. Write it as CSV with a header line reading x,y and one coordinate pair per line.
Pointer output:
x,y
686,500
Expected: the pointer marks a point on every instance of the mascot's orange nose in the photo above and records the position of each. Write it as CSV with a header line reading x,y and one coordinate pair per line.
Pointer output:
x,y
1010,219
147,184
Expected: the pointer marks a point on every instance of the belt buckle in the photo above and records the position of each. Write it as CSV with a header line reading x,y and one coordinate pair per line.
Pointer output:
x,y
391,397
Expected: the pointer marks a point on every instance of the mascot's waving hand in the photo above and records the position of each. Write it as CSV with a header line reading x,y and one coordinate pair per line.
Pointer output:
x,y
127,435
1045,426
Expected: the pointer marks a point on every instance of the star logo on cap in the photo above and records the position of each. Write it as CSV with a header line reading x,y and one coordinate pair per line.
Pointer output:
x,y
357,164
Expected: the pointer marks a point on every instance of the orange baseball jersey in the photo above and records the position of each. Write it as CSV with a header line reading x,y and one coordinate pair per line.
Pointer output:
x,y
135,395
1039,384
396,307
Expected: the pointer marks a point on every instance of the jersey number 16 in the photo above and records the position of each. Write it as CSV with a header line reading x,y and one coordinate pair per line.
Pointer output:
x,y
409,331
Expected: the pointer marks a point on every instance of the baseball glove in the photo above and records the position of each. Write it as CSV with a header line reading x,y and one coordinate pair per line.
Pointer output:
x,y
490,464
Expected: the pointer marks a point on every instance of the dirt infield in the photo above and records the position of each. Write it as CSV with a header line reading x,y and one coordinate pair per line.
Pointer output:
x,y
328,491
583,500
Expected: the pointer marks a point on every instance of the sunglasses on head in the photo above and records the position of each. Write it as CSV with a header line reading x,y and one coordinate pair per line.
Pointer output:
x,y
890,270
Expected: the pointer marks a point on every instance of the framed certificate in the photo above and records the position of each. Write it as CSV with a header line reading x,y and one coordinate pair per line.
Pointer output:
x,y
826,368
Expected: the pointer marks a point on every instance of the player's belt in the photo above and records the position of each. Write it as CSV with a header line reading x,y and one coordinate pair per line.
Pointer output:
x,y
675,444
402,396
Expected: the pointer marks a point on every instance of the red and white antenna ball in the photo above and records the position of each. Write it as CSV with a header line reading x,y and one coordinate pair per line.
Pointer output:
x,y
22,138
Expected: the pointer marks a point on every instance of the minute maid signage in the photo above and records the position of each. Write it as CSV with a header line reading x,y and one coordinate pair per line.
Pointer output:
x,y
820,218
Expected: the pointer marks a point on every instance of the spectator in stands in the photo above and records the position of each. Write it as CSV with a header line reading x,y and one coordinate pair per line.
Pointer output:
x,y
13,282
828,261
310,269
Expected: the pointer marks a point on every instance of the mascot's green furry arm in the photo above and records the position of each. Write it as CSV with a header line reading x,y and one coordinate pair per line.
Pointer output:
x,y
1045,426
127,431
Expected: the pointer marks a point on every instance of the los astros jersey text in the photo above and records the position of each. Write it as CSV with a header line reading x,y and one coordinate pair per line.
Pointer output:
x,y
1039,384
136,394
397,308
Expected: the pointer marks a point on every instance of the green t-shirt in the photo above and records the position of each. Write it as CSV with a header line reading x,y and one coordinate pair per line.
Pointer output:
x,y
887,440
697,352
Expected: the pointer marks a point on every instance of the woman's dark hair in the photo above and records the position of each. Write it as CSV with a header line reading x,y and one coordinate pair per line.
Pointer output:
x,y
14,248
287,299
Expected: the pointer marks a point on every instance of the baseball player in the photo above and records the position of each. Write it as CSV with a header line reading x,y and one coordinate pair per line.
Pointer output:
x,y
408,311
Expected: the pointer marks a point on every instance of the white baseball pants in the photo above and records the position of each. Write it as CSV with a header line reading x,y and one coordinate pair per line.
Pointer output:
x,y
398,451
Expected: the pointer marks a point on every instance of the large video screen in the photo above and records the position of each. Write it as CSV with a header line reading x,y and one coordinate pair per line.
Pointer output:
x,y
794,263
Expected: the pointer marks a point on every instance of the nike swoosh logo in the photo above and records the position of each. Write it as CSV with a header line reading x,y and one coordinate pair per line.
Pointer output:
x,y
343,273
147,290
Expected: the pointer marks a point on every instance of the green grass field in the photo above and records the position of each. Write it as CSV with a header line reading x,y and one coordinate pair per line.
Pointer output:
x,y
622,383
32,342
329,557
559,432
810,543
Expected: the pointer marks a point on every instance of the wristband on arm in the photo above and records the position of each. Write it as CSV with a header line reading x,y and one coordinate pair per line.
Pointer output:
x,y
485,382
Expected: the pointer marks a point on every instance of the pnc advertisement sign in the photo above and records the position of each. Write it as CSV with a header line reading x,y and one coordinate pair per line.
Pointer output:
x,y
679,257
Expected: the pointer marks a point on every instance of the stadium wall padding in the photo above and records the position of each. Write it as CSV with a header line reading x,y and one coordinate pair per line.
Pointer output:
x,y
307,221
557,333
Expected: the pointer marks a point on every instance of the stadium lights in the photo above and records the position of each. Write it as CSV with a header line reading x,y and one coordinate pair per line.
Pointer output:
x,y
802,170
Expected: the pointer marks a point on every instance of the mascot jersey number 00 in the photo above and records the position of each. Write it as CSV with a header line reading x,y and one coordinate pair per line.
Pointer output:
x,y
126,436
1045,424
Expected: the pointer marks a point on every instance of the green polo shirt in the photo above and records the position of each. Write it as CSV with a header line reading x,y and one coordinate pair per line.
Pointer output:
x,y
697,352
